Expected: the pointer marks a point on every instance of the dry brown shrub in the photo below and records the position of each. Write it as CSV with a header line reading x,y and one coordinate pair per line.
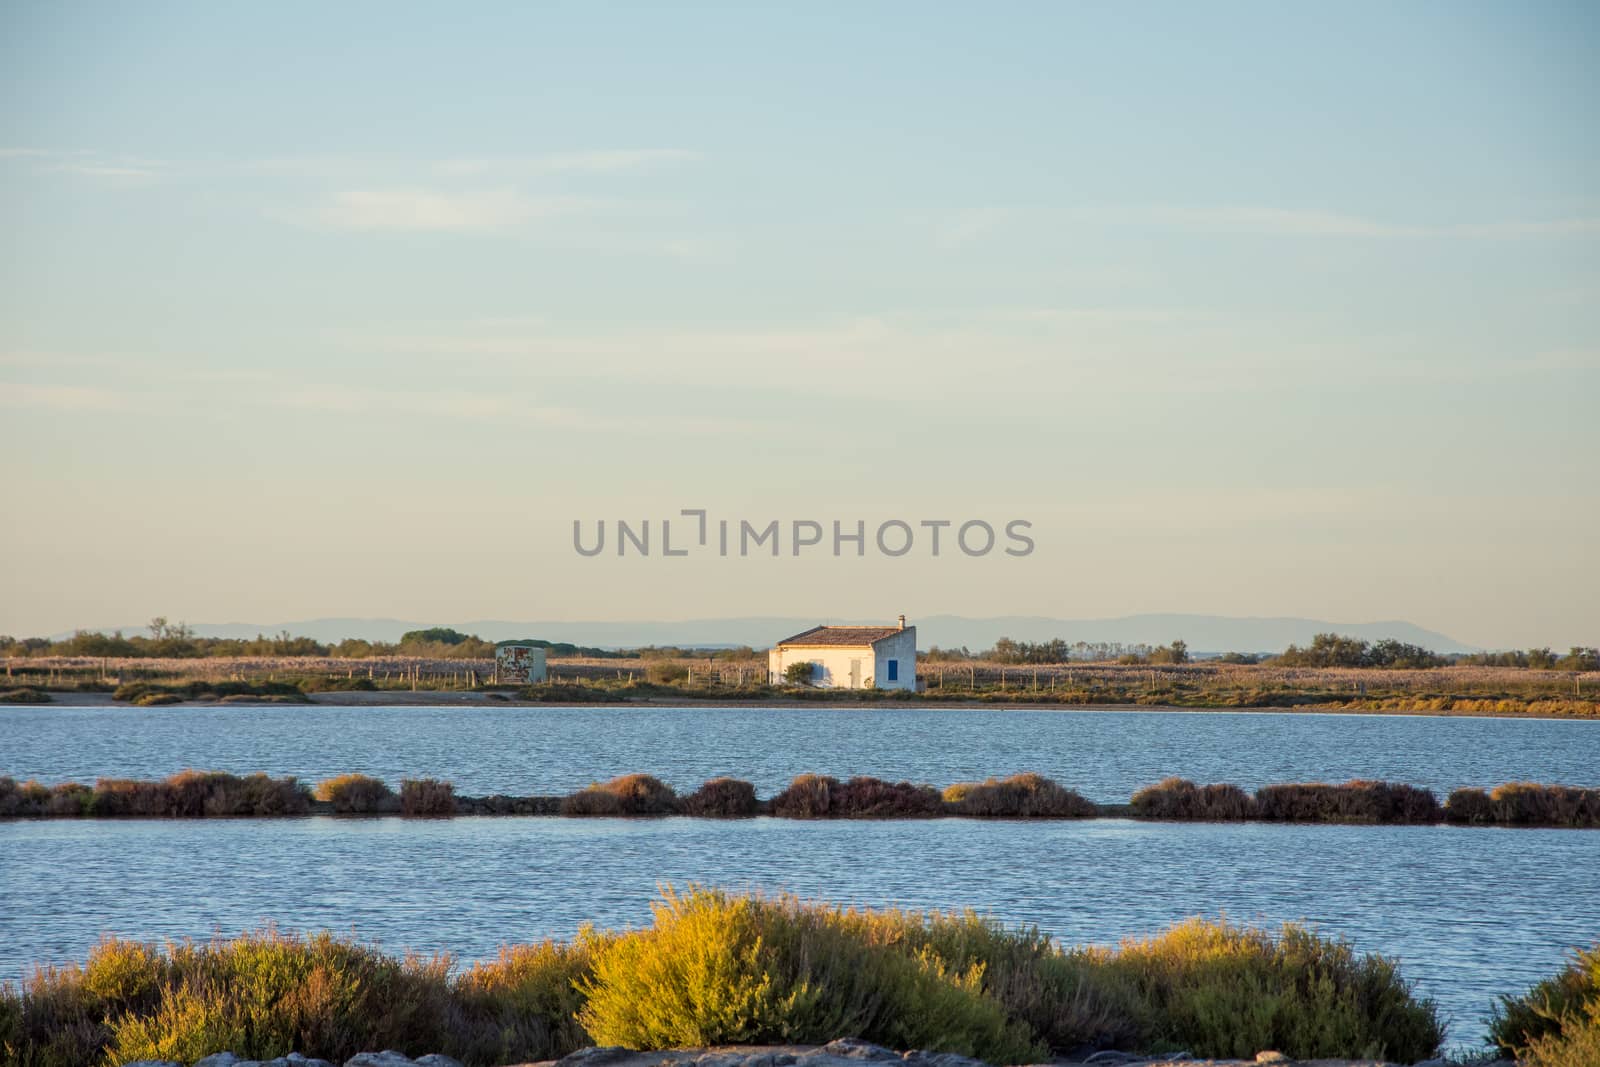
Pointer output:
x,y
427,796
631,794
1019,796
726,797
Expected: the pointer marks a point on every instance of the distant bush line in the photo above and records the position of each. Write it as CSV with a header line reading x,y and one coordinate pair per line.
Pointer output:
x,y
196,794
719,969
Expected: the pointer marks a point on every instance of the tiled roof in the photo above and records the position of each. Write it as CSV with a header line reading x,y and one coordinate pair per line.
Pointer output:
x,y
841,635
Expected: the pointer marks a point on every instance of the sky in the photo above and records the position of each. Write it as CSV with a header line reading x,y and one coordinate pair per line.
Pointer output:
x,y
1246,308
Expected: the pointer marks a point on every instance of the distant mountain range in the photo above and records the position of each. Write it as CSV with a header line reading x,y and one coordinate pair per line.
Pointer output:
x,y
1203,633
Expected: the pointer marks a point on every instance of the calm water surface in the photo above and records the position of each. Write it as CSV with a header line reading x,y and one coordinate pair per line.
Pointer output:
x,y
1471,912
526,750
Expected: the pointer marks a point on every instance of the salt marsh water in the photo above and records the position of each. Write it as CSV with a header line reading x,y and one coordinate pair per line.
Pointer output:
x,y
1471,912
1105,755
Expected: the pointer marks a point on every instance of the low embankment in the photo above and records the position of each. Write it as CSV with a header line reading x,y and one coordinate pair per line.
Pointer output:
x,y
1453,690
197,794
719,969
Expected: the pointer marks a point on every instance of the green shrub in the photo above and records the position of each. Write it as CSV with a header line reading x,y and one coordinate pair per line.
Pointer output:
x,y
1019,796
563,693
1227,991
726,797
357,794
427,796
631,794
715,970
24,695
151,694
800,673
524,1005
1067,999
333,683
667,673
1557,1013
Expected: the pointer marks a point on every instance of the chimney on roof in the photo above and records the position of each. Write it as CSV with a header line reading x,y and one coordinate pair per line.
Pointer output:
x,y
902,622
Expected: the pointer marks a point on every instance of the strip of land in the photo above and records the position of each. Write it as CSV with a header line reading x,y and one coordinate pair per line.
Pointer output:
x,y
203,794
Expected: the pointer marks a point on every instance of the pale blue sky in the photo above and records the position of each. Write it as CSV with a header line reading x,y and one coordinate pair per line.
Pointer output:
x,y
1251,308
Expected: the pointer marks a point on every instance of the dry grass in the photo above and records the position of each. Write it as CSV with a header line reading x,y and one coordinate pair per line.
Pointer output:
x,y
427,797
812,796
724,797
185,795
1444,690
192,794
1526,804
1020,796
1355,801
631,794
357,794
1179,798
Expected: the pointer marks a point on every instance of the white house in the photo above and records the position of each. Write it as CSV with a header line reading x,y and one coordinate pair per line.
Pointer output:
x,y
850,657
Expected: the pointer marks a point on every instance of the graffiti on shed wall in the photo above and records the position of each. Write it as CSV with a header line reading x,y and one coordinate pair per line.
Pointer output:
x,y
519,663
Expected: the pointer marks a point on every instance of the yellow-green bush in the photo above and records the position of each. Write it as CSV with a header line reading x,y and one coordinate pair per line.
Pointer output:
x,y
357,794
1023,796
631,794
716,969
1230,991
1557,1019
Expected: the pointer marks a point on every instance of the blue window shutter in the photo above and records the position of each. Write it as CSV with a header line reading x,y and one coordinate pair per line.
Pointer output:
x,y
894,670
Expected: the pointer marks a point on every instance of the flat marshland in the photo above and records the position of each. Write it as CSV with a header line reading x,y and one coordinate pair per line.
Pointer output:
x,y
1458,689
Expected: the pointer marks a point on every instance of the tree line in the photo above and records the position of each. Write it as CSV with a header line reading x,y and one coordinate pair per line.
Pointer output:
x,y
169,640
1325,650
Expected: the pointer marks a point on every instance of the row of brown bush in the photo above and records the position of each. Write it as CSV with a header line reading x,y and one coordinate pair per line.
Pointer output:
x,y
187,794
193,794
200,794
1515,803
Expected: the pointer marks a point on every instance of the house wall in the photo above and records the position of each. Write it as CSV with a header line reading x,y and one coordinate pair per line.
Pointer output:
x,y
902,647
833,664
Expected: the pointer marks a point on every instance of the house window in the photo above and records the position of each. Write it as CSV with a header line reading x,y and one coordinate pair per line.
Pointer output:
x,y
894,670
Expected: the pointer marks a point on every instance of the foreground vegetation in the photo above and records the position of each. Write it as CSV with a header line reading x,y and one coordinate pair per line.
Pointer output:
x,y
715,968
1557,1022
197,794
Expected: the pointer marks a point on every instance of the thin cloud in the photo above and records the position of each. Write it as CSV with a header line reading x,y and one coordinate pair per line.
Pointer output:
x,y
1293,222
437,210
59,397
604,161
464,404
971,225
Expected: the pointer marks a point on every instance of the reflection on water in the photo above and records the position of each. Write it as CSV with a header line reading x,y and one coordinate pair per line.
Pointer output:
x,y
1471,912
